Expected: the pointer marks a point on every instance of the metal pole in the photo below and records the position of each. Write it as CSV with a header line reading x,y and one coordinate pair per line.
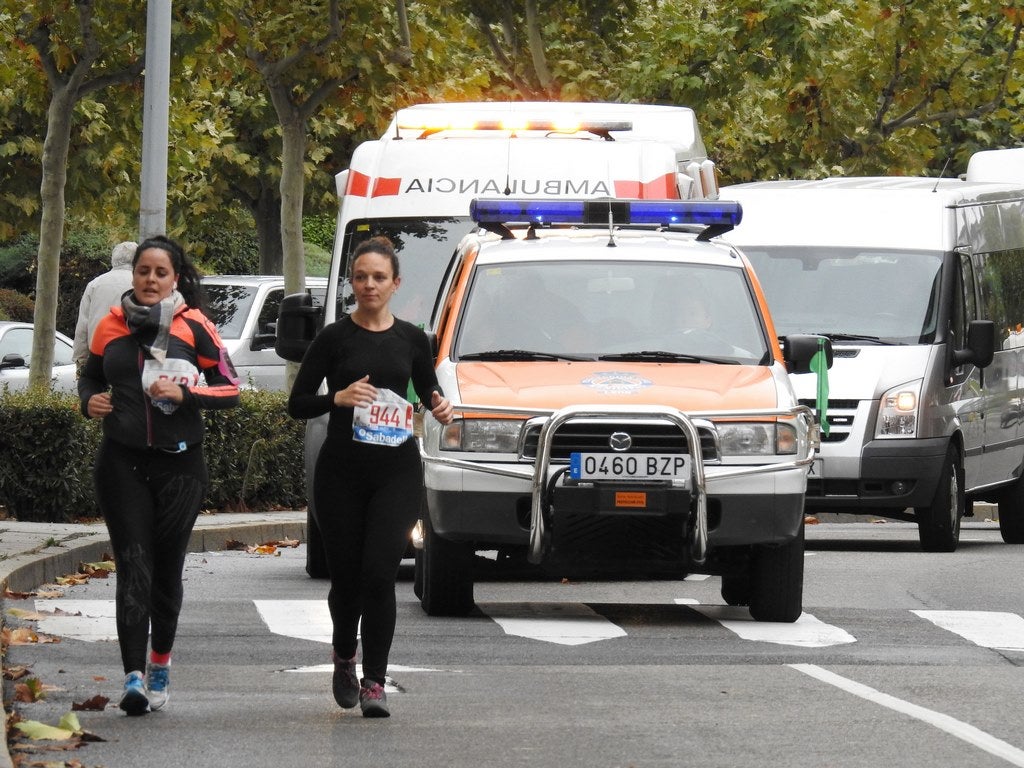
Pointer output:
x,y
153,198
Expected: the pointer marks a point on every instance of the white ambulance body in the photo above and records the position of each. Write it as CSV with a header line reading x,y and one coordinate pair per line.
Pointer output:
x,y
414,184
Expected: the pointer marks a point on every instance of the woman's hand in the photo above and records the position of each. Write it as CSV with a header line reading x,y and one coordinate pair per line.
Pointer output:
x,y
441,408
165,389
99,406
357,393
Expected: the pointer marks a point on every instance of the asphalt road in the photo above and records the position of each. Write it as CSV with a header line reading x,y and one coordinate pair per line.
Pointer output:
x,y
901,659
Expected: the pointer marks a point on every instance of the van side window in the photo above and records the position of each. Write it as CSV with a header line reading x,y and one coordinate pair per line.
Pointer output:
x,y
1001,278
267,322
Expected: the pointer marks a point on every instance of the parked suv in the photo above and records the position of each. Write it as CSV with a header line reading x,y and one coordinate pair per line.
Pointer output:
x,y
622,402
244,308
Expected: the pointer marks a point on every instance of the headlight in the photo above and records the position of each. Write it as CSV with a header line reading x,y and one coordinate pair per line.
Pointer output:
x,y
897,411
481,435
767,439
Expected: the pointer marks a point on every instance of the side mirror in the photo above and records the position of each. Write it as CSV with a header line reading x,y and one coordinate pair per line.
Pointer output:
x,y
297,324
13,360
981,345
263,341
798,349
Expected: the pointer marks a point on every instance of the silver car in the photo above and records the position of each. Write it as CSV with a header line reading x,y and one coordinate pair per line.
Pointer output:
x,y
16,354
244,308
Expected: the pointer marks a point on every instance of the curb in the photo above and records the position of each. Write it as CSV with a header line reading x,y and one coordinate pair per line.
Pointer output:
x,y
43,564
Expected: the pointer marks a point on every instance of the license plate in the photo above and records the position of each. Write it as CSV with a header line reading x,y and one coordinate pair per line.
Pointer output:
x,y
630,466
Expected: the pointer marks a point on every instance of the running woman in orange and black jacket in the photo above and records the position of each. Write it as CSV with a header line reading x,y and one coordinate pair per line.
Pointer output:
x,y
154,362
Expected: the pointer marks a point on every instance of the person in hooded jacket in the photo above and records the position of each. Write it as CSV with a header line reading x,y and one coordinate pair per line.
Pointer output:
x,y
100,294
155,361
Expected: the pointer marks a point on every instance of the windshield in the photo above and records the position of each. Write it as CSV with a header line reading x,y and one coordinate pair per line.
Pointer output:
x,y
629,311
228,306
850,294
424,247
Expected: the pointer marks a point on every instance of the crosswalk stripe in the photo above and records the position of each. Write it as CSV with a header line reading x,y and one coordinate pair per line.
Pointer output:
x,y
989,629
561,623
301,619
92,621
805,632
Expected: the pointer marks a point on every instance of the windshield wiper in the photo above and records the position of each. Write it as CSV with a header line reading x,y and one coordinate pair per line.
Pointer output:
x,y
858,337
518,354
657,355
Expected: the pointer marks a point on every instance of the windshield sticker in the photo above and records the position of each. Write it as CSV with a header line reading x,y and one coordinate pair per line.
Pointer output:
x,y
616,382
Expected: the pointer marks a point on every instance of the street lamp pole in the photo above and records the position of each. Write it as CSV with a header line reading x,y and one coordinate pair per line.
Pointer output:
x,y
153,198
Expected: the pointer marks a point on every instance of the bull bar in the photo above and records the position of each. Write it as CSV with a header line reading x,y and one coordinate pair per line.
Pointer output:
x,y
538,474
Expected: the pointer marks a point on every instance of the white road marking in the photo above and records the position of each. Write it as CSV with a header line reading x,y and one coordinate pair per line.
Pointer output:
x,y
301,619
561,623
806,632
92,621
696,577
961,730
989,629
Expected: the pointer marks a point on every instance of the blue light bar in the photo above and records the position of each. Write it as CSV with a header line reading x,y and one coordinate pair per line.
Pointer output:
x,y
708,213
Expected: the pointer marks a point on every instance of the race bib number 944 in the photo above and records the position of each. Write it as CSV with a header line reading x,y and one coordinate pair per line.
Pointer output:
x,y
386,421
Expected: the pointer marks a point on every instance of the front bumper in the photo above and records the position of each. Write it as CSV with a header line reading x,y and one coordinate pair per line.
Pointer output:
x,y
497,504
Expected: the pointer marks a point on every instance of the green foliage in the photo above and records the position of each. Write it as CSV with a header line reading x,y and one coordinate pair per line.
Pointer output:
x,y
319,230
16,263
15,306
46,457
318,260
229,252
254,453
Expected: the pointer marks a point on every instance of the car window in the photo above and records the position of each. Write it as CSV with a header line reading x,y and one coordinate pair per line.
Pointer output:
x,y
17,341
605,308
228,306
62,353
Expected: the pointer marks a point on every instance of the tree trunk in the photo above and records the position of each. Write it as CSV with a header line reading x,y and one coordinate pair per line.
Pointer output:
x,y
51,234
293,155
536,42
266,212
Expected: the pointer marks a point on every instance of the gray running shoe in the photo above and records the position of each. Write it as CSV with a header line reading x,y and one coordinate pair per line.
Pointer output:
x,y
373,700
345,684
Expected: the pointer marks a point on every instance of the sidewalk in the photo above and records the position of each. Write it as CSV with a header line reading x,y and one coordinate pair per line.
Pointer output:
x,y
32,554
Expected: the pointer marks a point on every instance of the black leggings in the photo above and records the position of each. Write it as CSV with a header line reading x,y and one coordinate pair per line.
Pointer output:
x,y
367,501
150,500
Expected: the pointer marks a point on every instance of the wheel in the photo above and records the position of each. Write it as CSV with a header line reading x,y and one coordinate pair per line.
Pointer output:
x,y
777,580
938,525
447,574
417,574
1011,513
736,590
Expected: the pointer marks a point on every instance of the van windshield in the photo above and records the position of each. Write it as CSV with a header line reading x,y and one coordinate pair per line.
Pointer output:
x,y
424,246
851,294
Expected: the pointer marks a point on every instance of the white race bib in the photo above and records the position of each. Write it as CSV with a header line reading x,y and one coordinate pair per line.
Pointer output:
x,y
181,372
386,421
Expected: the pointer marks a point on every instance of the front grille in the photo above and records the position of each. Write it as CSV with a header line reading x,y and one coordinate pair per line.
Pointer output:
x,y
840,416
592,436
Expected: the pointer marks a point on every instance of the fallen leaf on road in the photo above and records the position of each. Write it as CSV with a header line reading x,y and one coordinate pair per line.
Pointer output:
x,y
234,545
263,549
25,636
15,673
29,691
11,595
97,570
811,520
95,704
293,543
73,580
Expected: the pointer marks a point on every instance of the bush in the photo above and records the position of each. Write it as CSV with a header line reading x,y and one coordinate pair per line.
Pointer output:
x,y
15,305
254,454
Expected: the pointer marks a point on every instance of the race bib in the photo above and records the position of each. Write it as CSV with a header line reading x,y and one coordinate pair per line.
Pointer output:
x,y
181,372
386,421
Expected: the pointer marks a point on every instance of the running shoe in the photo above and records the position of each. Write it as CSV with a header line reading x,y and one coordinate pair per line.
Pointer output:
x,y
158,684
133,700
372,700
345,684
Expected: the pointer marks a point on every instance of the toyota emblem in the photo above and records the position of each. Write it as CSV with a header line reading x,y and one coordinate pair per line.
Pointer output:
x,y
620,441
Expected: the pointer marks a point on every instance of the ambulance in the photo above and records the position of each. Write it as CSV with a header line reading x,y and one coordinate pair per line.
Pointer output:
x,y
622,405
414,184
919,284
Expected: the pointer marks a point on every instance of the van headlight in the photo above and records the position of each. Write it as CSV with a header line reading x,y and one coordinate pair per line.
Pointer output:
x,y
898,411
757,439
481,435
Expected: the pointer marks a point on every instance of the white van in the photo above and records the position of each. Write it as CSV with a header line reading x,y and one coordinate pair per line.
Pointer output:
x,y
414,184
919,283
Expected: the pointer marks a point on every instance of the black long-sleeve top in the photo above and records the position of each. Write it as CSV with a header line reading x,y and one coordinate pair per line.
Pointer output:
x,y
344,352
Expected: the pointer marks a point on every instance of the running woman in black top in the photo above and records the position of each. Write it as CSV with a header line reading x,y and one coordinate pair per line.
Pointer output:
x,y
368,480
154,362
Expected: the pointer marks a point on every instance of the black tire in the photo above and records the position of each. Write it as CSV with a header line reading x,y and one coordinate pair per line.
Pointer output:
x,y
736,590
447,574
938,525
417,574
1011,513
777,580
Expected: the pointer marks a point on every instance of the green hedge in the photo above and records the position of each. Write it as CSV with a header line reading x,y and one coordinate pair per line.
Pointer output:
x,y
254,453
